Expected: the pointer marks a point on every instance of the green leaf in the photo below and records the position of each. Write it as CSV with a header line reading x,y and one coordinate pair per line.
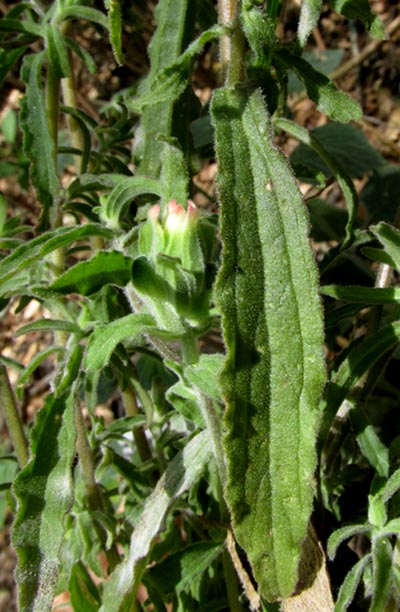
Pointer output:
x,y
181,474
174,22
392,486
309,15
389,236
345,182
178,571
44,492
7,60
84,594
328,222
122,196
49,325
105,338
346,144
274,371
205,375
350,584
360,9
172,81
56,52
379,195
21,27
38,144
33,364
356,364
367,439
363,295
174,177
345,533
184,399
89,276
382,553
323,60
114,27
85,13
328,99
36,249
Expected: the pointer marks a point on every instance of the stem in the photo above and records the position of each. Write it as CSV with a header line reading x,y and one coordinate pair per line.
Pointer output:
x,y
8,405
190,349
231,47
251,593
93,492
132,409
68,85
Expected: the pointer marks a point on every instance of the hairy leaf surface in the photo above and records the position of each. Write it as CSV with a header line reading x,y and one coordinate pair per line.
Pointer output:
x,y
182,473
44,490
268,296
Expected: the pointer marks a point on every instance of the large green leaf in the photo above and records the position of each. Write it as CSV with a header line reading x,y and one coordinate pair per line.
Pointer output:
x,y
182,473
274,371
44,492
39,146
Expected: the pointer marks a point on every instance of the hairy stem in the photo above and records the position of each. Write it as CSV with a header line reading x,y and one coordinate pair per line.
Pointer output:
x,y
231,47
9,408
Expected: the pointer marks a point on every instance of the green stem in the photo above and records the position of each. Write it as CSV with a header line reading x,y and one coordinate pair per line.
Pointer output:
x,y
190,349
8,405
93,493
232,49
132,409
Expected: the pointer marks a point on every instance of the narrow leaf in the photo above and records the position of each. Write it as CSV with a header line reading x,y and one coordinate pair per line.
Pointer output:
x,y
122,196
173,20
368,440
49,325
392,486
309,15
345,182
34,250
356,364
389,236
57,52
268,296
77,11
44,492
382,553
89,276
345,533
179,570
115,27
21,27
38,143
363,295
350,584
360,9
328,99
181,474
105,338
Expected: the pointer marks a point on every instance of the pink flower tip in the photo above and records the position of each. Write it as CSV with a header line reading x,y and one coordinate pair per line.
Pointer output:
x,y
154,212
